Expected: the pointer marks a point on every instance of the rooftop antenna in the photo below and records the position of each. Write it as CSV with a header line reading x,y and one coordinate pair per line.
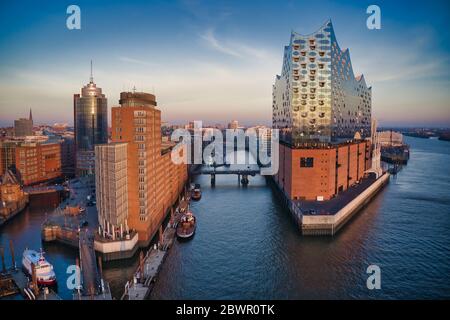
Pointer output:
x,y
91,78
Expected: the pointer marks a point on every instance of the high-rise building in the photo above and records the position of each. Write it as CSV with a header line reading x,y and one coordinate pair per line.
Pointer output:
x,y
323,113
154,182
67,155
23,127
91,125
317,98
112,188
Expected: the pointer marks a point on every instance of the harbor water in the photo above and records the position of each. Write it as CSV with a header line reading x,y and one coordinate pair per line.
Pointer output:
x,y
246,245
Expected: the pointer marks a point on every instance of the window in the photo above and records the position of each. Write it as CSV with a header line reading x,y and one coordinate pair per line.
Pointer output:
x,y
306,162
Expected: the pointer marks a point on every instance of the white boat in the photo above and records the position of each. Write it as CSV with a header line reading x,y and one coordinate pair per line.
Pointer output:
x,y
44,270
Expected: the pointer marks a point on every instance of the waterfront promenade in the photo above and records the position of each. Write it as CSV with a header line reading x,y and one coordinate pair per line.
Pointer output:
x,y
139,288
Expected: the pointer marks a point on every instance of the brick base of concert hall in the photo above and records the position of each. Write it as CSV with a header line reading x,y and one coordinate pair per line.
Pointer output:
x,y
313,174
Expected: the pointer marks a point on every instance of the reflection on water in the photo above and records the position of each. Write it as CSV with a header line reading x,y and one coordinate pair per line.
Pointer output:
x,y
247,247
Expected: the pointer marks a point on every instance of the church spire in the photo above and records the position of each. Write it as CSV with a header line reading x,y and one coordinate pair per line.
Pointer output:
x,y
31,116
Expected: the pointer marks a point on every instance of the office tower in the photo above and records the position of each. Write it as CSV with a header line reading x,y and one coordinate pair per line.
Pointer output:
x,y
24,127
317,98
112,189
67,155
154,182
91,125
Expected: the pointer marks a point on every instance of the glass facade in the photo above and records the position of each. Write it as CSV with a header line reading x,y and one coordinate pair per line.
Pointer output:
x,y
317,98
91,125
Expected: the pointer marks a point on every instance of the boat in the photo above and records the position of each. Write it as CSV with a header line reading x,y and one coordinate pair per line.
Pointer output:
x,y
187,225
196,193
44,270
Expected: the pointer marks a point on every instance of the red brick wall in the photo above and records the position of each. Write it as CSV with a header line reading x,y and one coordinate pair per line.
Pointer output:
x,y
308,183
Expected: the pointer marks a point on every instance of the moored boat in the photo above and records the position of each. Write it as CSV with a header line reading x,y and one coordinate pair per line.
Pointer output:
x,y
44,270
196,193
187,225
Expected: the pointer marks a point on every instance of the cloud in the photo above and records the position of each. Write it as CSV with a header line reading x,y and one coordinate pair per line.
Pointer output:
x,y
212,41
394,61
137,61
235,48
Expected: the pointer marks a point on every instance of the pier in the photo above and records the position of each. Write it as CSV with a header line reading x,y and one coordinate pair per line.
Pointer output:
x,y
93,286
326,218
13,281
139,288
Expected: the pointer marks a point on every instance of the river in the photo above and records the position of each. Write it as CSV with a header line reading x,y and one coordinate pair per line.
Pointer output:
x,y
247,246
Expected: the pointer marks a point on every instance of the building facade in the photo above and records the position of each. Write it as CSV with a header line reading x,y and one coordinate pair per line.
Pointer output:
x,y
318,174
91,125
23,127
317,98
154,182
67,155
38,162
12,197
112,189
323,113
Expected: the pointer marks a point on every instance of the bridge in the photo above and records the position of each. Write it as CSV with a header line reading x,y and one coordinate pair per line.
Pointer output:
x,y
240,165
243,170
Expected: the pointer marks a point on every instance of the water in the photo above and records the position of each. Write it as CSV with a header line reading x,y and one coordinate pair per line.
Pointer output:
x,y
247,247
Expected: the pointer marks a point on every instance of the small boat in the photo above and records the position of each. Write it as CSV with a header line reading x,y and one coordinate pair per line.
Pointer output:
x,y
186,226
44,270
196,193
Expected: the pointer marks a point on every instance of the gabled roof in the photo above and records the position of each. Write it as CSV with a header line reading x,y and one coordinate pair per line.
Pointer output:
x,y
9,178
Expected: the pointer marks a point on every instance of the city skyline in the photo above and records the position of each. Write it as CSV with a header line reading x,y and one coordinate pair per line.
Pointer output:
x,y
224,151
221,59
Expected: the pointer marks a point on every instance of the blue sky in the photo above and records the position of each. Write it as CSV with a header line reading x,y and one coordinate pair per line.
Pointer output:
x,y
216,60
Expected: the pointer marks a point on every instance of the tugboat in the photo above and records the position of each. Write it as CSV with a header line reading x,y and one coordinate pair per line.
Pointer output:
x,y
186,226
196,193
44,270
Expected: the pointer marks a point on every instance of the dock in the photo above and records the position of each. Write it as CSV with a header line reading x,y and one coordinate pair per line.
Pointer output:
x,y
140,287
13,281
64,221
93,286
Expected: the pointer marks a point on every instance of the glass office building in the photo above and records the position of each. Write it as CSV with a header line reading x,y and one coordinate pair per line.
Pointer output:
x,y
91,126
317,98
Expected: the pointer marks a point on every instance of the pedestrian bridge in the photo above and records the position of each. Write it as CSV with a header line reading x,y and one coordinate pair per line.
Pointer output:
x,y
243,170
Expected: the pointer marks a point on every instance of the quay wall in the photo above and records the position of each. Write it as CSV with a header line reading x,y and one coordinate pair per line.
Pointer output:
x,y
330,224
